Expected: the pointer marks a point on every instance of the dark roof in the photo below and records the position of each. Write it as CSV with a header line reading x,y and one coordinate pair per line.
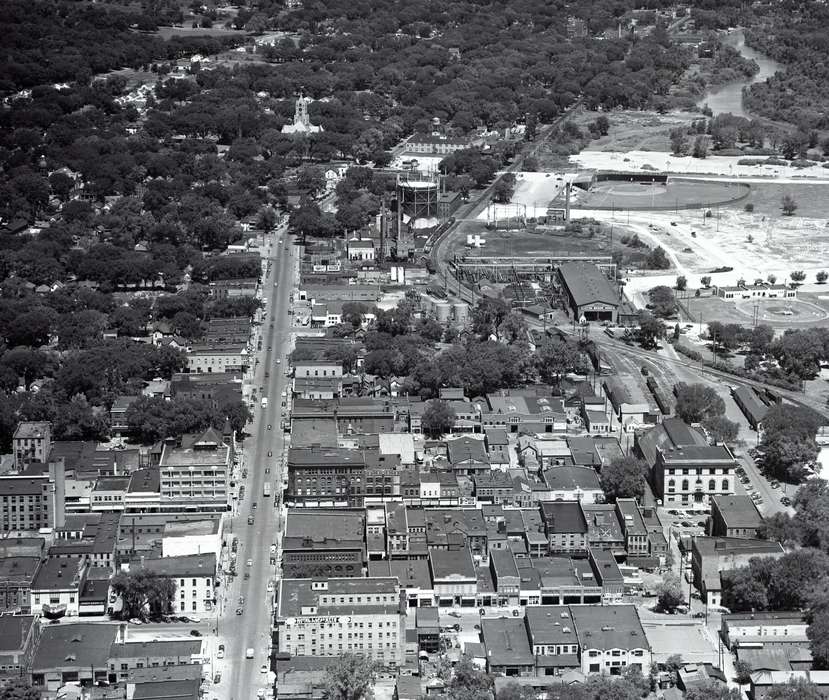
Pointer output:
x,y
145,481
22,486
563,516
587,284
174,567
13,632
572,478
550,624
464,449
296,594
78,645
506,642
609,627
168,690
447,563
58,574
738,511
751,403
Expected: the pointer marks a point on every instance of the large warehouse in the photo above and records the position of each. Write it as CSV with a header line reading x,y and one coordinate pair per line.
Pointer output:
x,y
591,295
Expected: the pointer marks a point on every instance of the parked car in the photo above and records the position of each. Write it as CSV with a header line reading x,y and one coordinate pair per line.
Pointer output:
x,y
195,633
786,501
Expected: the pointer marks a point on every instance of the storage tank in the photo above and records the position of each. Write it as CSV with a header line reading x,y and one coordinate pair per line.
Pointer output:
x,y
443,310
461,309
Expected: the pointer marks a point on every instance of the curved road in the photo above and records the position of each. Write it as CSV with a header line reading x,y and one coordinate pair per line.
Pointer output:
x,y
252,629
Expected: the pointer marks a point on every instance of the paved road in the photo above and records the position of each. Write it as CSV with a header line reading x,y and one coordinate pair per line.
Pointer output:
x,y
242,677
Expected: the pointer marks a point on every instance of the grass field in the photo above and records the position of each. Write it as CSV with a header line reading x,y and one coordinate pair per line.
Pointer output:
x,y
529,242
675,193
811,199
806,311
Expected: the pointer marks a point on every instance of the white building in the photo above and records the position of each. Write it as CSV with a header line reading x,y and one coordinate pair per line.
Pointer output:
x,y
318,368
194,474
57,584
334,616
218,358
194,576
302,122
612,639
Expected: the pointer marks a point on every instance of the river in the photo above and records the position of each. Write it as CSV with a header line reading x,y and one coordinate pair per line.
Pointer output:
x,y
728,97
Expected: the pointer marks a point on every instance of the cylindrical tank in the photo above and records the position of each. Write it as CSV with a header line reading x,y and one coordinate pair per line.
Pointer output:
x,y
461,309
443,310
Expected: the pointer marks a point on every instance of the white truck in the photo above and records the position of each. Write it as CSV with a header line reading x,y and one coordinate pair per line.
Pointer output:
x,y
264,402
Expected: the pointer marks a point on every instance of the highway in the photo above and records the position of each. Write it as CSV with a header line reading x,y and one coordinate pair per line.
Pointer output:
x,y
243,677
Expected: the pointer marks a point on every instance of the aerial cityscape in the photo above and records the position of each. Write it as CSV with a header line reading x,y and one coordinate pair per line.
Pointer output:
x,y
407,350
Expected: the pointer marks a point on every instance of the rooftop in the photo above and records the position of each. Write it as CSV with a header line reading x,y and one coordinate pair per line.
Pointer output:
x,y
184,566
738,511
609,627
448,564
550,624
191,527
145,481
506,642
58,574
563,517
321,525
31,429
75,645
572,479
588,284
296,594
14,629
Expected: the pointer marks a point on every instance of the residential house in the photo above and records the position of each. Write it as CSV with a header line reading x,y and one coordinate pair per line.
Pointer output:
x,y
31,442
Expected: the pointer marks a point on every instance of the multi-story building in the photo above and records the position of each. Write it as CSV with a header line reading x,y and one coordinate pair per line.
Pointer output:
x,y
505,576
318,368
321,543
764,628
57,585
194,576
633,526
685,470
194,474
325,477
127,657
612,639
397,530
335,616
18,639
552,637
28,503
218,357
566,527
16,576
31,442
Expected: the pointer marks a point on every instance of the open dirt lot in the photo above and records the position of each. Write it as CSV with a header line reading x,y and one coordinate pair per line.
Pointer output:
x,y
635,131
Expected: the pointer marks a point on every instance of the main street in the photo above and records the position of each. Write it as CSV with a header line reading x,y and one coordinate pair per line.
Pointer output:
x,y
252,630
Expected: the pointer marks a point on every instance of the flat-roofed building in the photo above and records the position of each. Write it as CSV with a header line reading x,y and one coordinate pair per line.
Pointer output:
x,y
31,502
194,576
735,516
73,653
612,639
335,616
31,442
323,542
16,576
764,628
552,636
194,474
18,639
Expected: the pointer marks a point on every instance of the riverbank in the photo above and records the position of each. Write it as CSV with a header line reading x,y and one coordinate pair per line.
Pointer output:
x,y
728,97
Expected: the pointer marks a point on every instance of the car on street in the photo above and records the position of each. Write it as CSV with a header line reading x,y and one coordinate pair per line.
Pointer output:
x,y
270,586
254,505
270,453
267,374
250,562
249,653
775,484
247,576
260,693
685,523
453,613
273,549
241,600
217,678
263,668
786,501
269,426
267,470
195,633
250,520
240,611
135,621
